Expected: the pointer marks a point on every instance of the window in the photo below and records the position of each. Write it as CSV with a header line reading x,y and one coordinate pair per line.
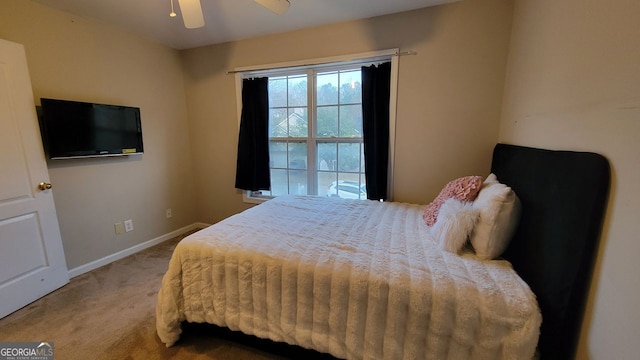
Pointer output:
x,y
315,130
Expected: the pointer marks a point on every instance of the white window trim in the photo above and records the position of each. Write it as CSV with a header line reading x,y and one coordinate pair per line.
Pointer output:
x,y
373,56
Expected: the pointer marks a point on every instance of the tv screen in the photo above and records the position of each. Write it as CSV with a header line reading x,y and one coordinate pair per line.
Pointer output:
x,y
72,129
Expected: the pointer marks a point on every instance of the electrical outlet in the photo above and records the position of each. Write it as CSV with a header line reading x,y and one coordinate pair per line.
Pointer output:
x,y
119,228
128,225
169,213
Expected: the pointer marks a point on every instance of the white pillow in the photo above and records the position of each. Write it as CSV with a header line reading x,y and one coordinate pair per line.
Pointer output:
x,y
499,209
456,220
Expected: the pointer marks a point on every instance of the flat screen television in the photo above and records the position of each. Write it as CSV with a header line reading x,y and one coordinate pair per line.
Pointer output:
x,y
73,129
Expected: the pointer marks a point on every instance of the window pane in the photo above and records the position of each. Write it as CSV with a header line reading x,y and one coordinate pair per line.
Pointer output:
x,y
350,87
327,88
278,154
298,156
362,169
279,182
277,123
298,91
297,182
327,122
277,91
325,182
351,121
298,122
349,157
350,187
327,156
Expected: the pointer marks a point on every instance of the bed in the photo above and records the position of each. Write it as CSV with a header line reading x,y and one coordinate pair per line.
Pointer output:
x,y
365,280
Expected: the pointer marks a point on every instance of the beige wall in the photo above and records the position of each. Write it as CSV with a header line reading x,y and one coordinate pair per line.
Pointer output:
x,y
72,58
449,95
573,82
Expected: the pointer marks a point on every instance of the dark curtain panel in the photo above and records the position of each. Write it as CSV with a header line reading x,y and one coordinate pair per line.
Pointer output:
x,y
252,169
376,83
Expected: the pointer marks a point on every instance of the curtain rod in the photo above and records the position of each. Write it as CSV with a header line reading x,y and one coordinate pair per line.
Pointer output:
x,y
397,53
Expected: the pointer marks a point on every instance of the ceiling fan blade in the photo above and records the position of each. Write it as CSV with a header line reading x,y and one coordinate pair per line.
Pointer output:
x,y
277,6
191,13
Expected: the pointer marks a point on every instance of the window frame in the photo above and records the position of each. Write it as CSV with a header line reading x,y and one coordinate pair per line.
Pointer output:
x,y
278,69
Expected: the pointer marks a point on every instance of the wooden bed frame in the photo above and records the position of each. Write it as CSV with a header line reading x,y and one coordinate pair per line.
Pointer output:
x,y
563,196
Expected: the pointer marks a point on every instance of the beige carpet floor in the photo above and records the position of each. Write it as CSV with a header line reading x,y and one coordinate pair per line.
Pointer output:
x,y
109,313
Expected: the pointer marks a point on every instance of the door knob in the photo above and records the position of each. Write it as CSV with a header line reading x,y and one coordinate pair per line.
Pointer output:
x,y
44,186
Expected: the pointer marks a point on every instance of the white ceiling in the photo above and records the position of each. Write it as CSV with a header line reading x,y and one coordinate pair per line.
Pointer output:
x,y
227,20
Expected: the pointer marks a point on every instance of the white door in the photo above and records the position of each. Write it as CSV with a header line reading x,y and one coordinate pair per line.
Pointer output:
x,y
32,262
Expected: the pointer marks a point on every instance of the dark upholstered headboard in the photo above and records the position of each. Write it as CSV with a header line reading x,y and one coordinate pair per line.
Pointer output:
x,y
563,196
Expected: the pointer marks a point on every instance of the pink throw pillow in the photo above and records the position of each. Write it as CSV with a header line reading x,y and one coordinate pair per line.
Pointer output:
x,y
464,189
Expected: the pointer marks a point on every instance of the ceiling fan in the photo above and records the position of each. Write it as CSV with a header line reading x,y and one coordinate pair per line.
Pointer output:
x,y
193,17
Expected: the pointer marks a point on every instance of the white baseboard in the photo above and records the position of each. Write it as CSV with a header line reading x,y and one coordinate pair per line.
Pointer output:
x,y
132,250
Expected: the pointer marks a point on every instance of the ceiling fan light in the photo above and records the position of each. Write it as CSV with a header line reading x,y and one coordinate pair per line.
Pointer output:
x,y
277,6
191,13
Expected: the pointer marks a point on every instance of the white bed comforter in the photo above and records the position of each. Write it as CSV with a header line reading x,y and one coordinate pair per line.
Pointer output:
x,y
356,279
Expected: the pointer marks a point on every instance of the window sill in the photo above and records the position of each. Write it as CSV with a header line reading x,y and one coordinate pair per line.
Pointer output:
x,y
248,197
